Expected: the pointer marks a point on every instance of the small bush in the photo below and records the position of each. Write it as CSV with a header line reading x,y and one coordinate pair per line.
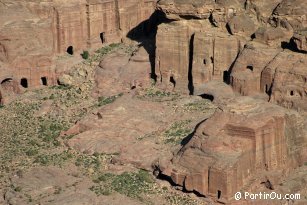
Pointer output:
x,y
85,55
107,100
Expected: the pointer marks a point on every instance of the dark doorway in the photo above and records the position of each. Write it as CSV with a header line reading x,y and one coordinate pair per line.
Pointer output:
x,y
44,81
102,37
24,82
219,194
70,50
226,77
172,80
291,92
250,67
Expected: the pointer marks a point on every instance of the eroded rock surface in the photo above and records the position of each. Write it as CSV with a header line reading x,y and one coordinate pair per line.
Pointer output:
x,y
33,33
234,145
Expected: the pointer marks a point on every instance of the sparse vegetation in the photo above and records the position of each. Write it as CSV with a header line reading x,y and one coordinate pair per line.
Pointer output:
x,y
199,105
157,95
177,132
97,56
108,100
176,199
131,184
31,138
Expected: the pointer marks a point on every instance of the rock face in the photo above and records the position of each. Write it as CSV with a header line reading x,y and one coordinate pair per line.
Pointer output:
x,y
195,47
234,42
191,57
300,39
32,32
259,49
120,72
229,149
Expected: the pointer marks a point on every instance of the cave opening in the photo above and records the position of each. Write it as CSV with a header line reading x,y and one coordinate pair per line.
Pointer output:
x,y
226,77
292,93
102,37
70,50
44,81
24,82
219,194
172,80
250,67
205,62
207,97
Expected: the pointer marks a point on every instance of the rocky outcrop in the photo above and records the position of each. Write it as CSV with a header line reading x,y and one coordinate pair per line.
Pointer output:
x,y
192,56
247,70
290,14
300,39
290,81
228,150
280,75
196,46
33,32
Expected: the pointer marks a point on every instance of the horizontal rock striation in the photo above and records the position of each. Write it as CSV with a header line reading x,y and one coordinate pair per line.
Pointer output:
x,y
234,145
33,32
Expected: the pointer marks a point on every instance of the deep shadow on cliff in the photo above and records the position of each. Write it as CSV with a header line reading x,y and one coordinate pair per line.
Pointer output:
x,y
145,34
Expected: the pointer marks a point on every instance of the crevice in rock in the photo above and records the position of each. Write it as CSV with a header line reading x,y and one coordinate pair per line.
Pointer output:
x,y
190,70
212,21
188,17
268,184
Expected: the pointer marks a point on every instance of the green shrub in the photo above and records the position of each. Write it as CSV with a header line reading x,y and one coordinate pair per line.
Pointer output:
x,y
85,55
108,100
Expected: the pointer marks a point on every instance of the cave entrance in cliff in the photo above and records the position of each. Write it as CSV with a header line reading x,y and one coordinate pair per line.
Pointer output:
x,y
102,37
250,67
24,82
44,81
226,76
219,194
70,50
172,81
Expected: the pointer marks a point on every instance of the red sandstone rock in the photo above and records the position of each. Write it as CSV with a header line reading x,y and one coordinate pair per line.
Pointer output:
x,y
228,149
300,39
32,32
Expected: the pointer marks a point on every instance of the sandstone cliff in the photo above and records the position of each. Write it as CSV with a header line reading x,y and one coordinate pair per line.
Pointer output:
x,y
33,32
